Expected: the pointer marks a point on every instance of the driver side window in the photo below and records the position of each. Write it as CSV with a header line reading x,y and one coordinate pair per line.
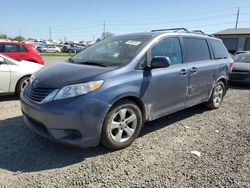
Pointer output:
x,y
169,47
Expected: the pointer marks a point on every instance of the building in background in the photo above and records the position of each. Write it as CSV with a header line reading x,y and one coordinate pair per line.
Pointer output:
x,y
235,39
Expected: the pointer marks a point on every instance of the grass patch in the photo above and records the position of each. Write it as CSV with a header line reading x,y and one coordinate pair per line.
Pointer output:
x,y
57,54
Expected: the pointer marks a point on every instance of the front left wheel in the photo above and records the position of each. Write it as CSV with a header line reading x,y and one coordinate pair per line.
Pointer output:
x,y
122,125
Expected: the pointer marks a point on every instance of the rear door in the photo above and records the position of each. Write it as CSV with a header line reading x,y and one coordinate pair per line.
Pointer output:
x,y
201,69
24,54
4,78
167,86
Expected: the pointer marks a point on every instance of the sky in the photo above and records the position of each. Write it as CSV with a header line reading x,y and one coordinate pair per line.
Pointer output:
x,y
84,20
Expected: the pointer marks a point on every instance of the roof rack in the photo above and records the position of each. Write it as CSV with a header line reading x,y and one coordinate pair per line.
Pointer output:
x,y
185,30
171,29
198,31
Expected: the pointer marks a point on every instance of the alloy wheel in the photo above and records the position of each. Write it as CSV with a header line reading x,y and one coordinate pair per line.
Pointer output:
x,y
123,125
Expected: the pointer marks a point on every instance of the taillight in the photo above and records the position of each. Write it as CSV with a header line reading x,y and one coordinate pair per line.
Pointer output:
x,y
231,64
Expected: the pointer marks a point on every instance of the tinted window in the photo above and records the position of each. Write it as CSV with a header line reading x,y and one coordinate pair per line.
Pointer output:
x,y
169,47
197,49
12,48
219,49
1,47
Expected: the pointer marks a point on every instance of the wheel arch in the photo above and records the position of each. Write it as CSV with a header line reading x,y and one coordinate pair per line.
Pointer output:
x,y
134,99
224,81
18,81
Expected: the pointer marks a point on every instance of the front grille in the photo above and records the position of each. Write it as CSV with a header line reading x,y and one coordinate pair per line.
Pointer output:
x,y
37,94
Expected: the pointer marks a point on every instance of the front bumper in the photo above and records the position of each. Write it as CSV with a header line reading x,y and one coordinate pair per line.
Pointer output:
x,y
243,77
75,121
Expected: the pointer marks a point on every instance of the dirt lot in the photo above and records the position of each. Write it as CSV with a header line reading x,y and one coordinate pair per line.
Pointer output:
x,y
160,157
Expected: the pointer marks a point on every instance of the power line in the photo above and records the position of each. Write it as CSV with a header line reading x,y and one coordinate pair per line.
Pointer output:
x,y
49,33
237,18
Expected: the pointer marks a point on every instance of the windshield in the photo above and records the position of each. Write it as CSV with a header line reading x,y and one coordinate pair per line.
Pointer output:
x,y
243,58
115,51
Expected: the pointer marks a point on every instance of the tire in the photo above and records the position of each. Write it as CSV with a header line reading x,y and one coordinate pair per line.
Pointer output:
x,y
22,84
217,96
122,125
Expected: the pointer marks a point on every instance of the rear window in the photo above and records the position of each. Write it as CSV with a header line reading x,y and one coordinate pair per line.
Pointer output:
x,y
197,49
219,49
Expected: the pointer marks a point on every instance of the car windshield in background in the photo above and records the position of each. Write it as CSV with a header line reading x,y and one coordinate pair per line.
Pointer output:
x,y
243,58
116,51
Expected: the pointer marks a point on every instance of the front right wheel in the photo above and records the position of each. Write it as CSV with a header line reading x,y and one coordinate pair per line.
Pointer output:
x,y
122,125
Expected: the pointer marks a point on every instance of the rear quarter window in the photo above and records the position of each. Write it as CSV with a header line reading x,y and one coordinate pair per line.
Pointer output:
x,y
197,49
219,50
23,49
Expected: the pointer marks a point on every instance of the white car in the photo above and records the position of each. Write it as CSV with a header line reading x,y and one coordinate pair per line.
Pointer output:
x,y
15,75
53,49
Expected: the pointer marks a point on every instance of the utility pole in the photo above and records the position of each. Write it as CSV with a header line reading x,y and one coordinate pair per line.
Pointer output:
x,y
20,32
49,33
104,30
237,18
93,38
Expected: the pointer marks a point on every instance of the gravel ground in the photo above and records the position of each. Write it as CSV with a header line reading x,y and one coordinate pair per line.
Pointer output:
x,y
160,157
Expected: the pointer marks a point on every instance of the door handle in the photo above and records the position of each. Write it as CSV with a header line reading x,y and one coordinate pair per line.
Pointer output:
x,y
183,72
194,69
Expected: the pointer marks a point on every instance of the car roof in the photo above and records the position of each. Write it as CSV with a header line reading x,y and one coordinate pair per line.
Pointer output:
x,y
156,33
11,43
20,43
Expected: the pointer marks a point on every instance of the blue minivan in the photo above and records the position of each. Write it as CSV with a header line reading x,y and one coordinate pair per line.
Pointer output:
x,y
105,93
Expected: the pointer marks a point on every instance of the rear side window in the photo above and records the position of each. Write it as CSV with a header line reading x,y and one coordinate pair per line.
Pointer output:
x,y
169,47
219,49
197,49
12,48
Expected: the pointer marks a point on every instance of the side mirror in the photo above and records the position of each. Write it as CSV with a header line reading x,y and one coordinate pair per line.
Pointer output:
x,y
1,60
160,62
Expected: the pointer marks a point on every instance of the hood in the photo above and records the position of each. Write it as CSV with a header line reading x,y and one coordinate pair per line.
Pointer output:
x,y
29,65
61,74
241,66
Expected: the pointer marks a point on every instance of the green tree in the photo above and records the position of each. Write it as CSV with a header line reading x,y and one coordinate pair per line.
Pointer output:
x,y
3,36
19,38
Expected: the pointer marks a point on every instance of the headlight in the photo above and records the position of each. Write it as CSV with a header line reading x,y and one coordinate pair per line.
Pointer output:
x,y
78,89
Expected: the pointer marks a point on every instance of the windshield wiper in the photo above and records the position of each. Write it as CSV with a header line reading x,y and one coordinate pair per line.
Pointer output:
x,y
93,63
